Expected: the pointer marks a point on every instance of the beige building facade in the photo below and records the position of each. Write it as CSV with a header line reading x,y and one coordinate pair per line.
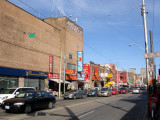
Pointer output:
x,y
27,42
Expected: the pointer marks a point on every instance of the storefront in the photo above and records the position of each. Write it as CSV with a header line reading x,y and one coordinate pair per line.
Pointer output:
x,y
13,78
73,81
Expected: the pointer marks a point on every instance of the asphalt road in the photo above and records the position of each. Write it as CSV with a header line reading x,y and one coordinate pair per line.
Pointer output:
x,y
117,107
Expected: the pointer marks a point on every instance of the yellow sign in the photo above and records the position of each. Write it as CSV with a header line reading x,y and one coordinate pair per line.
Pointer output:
x,y
110,75
106,85
111,82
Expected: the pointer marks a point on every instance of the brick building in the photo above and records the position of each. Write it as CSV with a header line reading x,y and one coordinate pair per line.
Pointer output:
x,y
27,42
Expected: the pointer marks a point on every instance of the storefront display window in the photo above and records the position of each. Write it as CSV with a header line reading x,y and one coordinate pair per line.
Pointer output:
x,y
34,82
8,82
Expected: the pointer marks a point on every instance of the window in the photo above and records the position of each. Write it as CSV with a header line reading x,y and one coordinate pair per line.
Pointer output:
x,y
70,56
71,66
44,94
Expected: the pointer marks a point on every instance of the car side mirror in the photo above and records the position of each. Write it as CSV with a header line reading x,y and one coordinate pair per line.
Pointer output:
x,y
17,93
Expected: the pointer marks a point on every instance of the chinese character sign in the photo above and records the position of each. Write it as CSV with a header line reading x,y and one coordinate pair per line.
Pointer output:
x,y
80,61
50,64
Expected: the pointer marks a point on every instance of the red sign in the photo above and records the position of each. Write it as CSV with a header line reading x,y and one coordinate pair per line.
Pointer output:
x,y
158,78
69,71
50,64
95,70
86,70
96,78
53,75
71,77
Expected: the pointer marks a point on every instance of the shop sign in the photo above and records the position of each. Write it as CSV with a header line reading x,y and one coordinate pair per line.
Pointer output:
x,y
95,70
50,64
80,61
71,77
20,72
111,82
86,70
71,71
53,75
80,76
110,75
159,78
96,78
103,75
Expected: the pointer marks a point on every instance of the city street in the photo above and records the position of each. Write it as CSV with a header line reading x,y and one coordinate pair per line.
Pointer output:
x,y
117,107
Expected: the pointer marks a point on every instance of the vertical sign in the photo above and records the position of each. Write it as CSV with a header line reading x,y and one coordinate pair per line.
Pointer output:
x,y
86,68
95,70
50,64
80,61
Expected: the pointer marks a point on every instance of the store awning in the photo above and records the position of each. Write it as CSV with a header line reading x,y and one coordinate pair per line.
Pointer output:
x,y
57,80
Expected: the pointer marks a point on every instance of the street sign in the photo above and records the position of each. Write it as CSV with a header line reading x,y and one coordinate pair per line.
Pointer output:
x,y
152,55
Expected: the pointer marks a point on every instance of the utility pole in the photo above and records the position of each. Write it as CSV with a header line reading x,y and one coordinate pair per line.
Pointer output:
x,y
117,76
152,59
64,72
146,51
59,90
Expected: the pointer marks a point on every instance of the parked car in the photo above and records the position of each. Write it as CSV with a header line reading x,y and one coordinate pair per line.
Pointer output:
x,y
93,92
12,92
73,94
136,90
105,92
131,89
28,101
115,91
123,90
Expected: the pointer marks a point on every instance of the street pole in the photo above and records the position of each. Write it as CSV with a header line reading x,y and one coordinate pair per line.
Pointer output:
x,y
60,77
64,72
117,76
146,51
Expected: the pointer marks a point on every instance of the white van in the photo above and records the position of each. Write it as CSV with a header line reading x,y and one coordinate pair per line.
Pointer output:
x,y
12,92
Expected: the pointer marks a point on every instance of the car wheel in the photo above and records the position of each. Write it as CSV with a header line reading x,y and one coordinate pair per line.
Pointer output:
x,y
28,109
7,111
84,96
74,97
50,105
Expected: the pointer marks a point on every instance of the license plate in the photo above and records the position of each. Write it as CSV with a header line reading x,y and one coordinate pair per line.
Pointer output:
x,y
7,107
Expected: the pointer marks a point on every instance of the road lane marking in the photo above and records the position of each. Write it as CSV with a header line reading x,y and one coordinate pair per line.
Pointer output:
x,y
85,114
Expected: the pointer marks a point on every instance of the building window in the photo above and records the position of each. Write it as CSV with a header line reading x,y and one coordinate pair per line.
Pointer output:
x,y
70,56
71,66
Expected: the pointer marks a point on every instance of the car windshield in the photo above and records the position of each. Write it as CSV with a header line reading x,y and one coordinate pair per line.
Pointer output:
x,y
113,89
26,95
93,90
8,91
122,88
71,91
104,89
135,88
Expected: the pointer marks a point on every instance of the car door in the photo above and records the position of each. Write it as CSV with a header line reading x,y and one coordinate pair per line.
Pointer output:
x,y
38,100
46,98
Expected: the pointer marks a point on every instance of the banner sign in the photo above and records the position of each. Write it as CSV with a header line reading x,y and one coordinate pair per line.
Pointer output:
x,y
53,75
95,70
69,77
71,71
50,64
86,70
104,75
80,76
110,75
80,61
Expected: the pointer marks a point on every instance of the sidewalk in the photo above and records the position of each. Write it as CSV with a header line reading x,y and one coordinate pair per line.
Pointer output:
x,y
146,116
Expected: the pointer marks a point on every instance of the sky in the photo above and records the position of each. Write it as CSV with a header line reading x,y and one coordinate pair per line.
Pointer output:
x,y
108,27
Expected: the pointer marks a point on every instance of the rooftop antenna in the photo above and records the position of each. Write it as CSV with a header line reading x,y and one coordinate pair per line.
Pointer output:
x,y
70,16
52,8
60,12
76,20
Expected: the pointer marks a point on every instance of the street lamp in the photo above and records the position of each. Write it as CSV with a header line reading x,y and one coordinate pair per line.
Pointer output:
x,y
130,44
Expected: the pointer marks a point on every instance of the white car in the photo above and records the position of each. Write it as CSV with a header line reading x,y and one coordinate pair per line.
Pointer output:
x,y
12,92
136,90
